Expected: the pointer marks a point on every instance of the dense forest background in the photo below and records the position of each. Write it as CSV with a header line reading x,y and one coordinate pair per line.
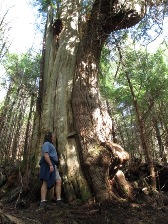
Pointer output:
x,y
133,80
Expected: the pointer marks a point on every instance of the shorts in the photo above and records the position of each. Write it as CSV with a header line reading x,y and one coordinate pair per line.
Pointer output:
x,y
57,175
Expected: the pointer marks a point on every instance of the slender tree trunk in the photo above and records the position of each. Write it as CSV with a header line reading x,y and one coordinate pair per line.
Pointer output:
x,y
155,125
159,139
26,150
143,136
141,126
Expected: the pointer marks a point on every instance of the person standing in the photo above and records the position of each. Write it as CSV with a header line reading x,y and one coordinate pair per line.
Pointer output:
x,y
48,170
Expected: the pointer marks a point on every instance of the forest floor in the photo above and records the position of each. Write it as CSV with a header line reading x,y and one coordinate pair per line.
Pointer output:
x,y
115,213
147,207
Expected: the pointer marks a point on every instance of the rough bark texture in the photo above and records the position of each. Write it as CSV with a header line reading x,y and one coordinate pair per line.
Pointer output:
x,y
70,103
55,104
94,125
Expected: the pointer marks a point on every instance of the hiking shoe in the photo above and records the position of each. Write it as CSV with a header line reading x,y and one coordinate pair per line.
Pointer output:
x,y
61,204
45,206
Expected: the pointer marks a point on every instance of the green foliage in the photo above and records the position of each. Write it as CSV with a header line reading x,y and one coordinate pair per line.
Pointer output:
x,y
44,4
105,75
23,71
150,27
17,111
147,73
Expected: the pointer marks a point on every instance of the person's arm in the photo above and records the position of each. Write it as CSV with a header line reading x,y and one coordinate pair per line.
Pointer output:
x,y
48,160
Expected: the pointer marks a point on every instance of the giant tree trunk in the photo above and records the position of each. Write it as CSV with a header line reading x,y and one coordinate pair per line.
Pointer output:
x,y
70,102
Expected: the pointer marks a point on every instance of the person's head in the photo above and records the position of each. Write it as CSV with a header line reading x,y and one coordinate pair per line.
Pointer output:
x,y
48,137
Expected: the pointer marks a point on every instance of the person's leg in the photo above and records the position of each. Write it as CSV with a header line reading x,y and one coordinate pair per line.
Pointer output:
x,y
44,191
58,189
57,192
43,195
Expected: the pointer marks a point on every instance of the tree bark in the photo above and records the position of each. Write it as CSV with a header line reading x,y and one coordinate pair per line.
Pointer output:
x,y
70,103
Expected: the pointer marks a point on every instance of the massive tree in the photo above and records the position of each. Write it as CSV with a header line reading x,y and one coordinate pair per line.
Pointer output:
x,y
69,102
